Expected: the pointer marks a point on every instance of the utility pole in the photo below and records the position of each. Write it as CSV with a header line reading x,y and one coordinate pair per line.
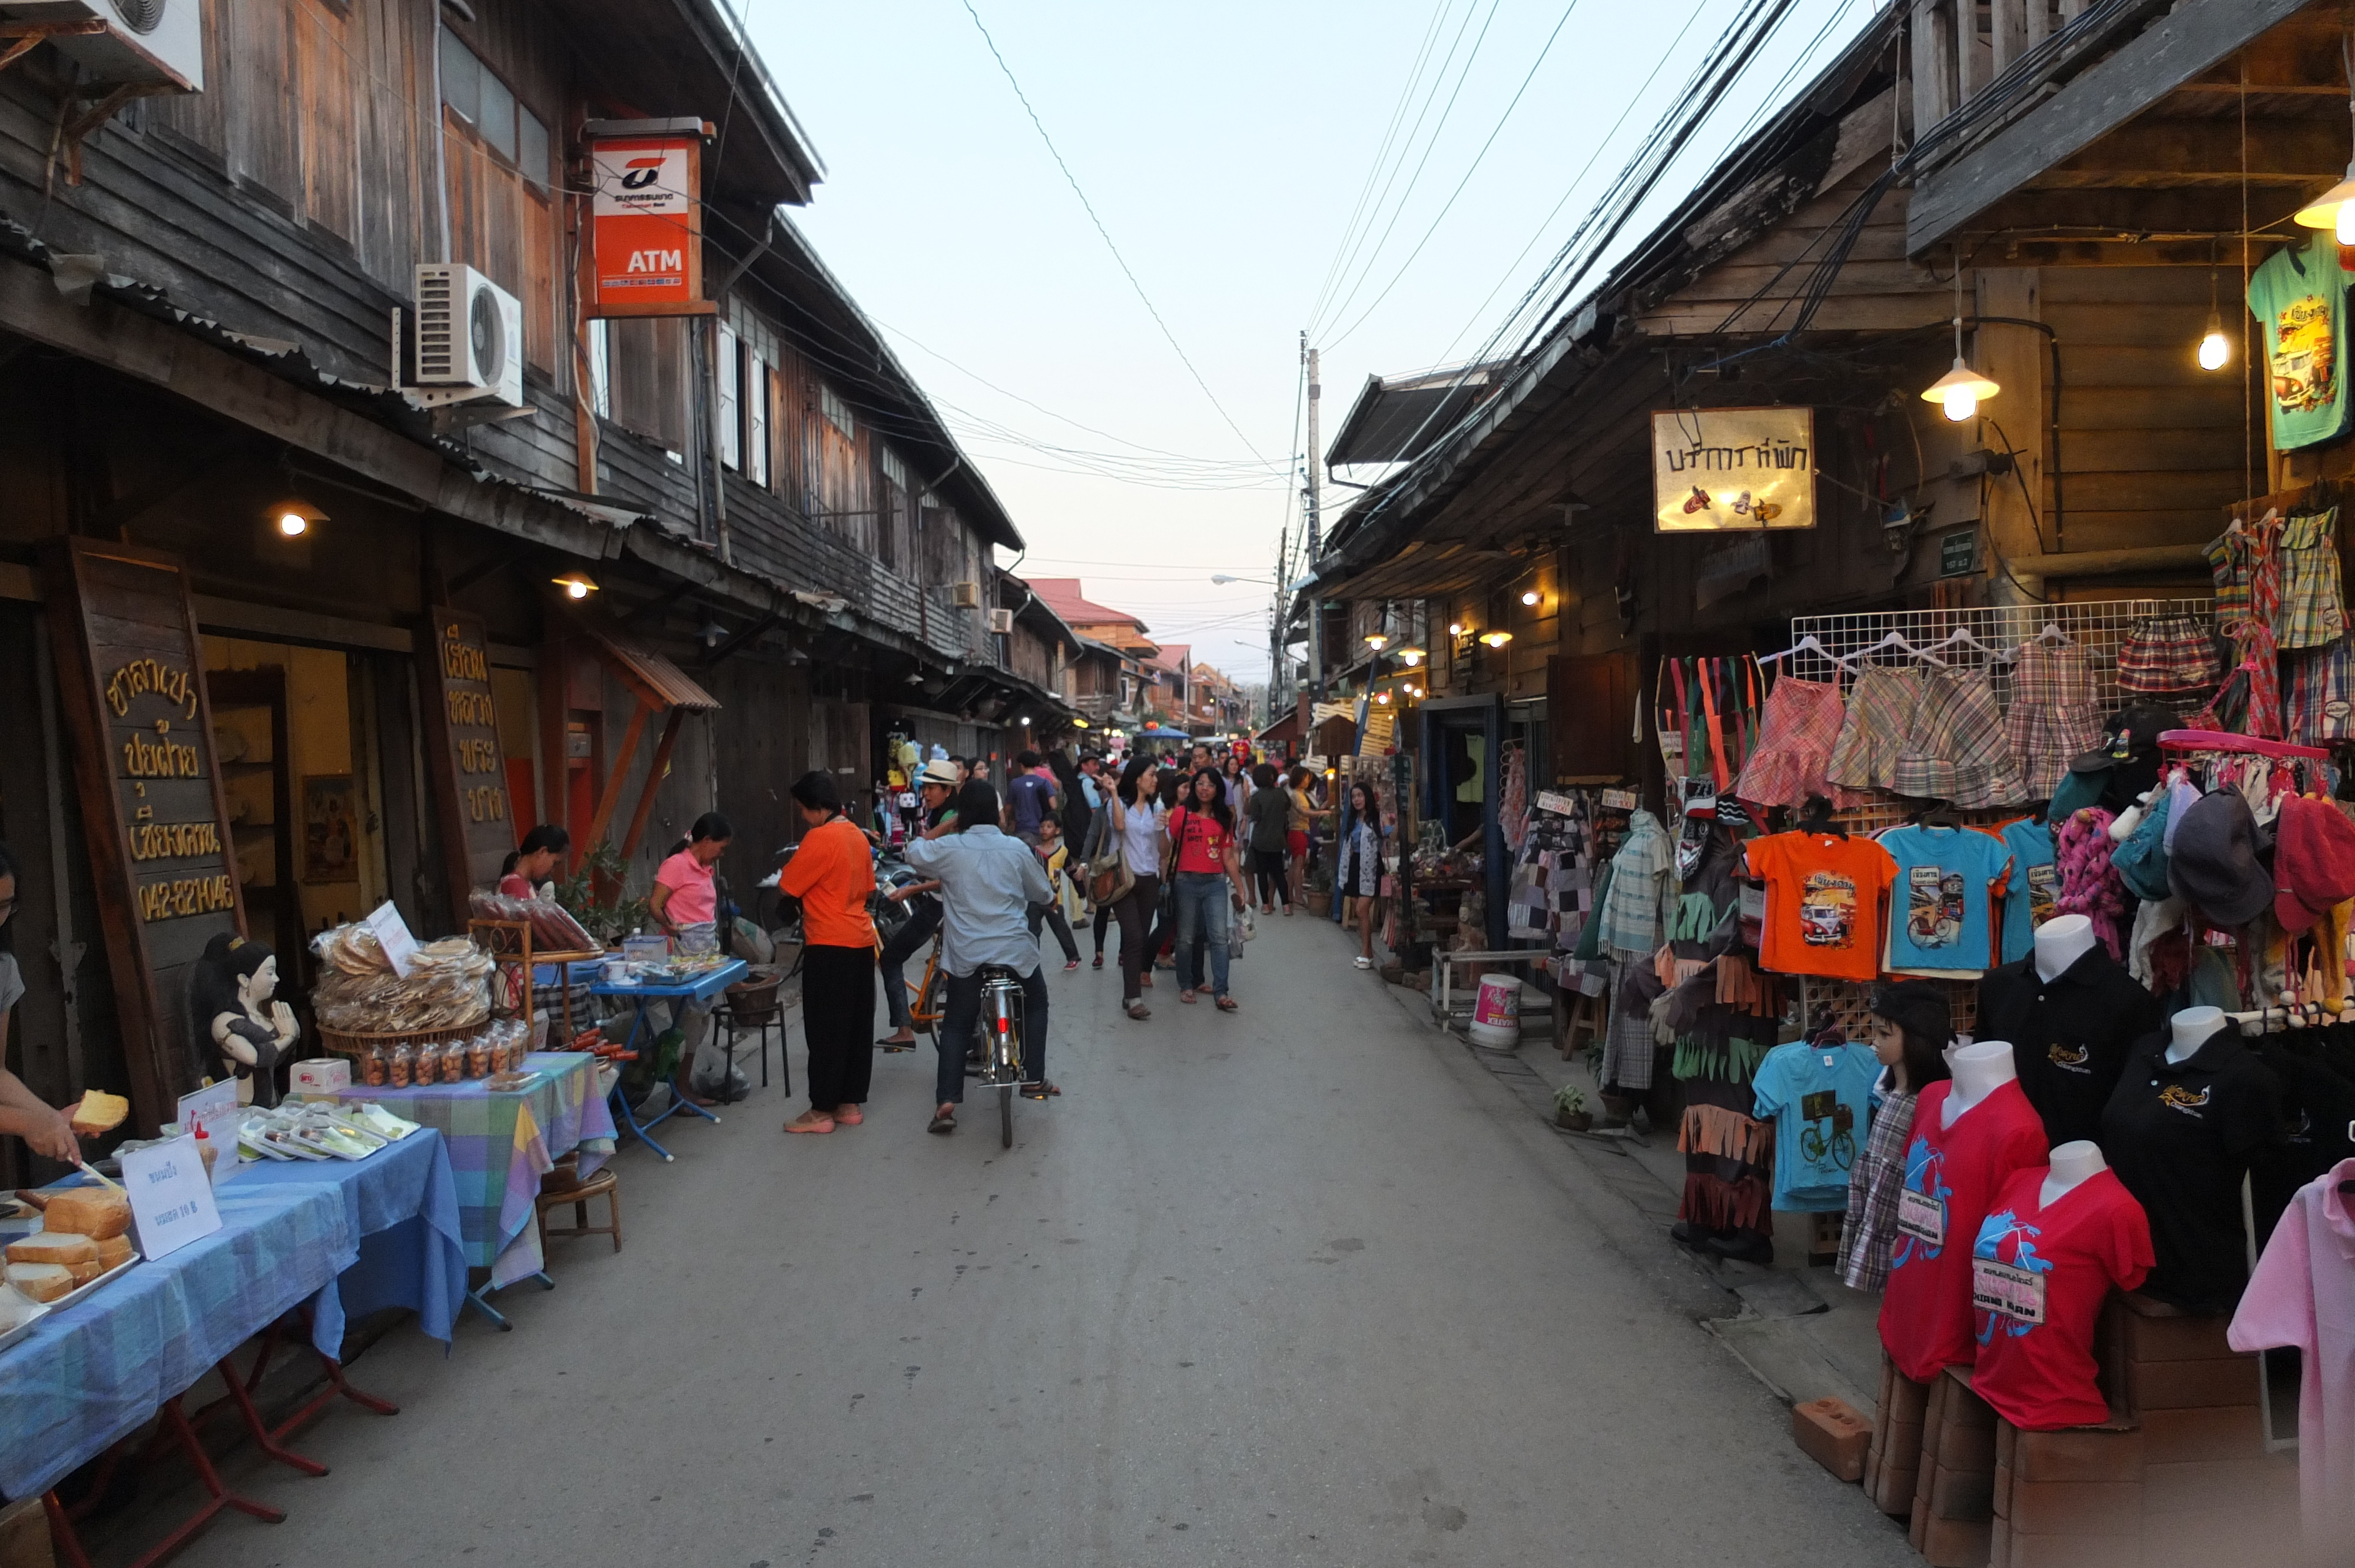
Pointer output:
x,y
1275,624
1314,531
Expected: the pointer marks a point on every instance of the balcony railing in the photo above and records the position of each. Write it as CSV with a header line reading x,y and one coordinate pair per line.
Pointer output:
x,y
1961,48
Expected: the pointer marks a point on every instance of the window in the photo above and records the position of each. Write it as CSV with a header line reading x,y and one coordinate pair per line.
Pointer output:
x,y
728,374
601,369
499,168
488,106
756,418
836,412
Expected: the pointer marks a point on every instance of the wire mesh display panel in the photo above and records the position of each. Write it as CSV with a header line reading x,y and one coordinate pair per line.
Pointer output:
x,y
2098,626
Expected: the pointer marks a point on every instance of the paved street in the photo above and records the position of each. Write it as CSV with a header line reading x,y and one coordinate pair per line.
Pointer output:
x,y
1300,1284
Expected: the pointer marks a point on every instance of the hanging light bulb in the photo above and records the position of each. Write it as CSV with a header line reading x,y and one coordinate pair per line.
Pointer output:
x,y
1410,656
1377,641
2335,208
1962,389
2215,348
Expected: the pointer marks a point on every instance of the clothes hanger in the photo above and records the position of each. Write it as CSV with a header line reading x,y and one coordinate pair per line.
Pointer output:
x,y
2052,633
1939,814
1899,643
1816,817
1809,644
1963,636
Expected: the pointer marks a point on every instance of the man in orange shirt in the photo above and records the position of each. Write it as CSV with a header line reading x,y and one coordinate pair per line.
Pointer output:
x,y
833,874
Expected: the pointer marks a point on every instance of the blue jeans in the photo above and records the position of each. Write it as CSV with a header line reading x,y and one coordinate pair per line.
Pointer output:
x,y
1202,910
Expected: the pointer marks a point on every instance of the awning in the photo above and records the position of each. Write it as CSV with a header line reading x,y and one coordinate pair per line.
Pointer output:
x,y
1394,418
657,682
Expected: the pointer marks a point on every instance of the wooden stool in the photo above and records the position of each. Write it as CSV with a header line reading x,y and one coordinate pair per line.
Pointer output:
x,y
605,1184
1587,1018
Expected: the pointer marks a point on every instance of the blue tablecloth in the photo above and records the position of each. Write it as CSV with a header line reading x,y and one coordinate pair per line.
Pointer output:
x,y
402,1203
93,1374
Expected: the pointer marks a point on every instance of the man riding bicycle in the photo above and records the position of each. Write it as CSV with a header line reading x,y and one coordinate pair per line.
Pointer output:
x,y
989,881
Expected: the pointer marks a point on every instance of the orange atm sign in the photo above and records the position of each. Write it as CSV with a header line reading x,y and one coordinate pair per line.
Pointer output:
x,y
646,219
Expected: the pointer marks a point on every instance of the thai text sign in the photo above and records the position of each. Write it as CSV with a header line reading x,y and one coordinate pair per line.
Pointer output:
x,y
1717,469
645,257
470,773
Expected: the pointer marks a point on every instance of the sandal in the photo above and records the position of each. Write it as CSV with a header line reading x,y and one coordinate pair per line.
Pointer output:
x,y
1187,997
1363,963
943,1122
811,1121
1227,1004
1139,1012
1041,1090
848,1115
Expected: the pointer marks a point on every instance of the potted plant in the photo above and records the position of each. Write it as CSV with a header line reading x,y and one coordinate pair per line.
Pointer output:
x,y
1570,1108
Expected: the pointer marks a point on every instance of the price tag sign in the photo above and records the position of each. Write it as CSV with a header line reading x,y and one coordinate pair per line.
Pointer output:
x,y
2017,1293
1923,1217
214,1108
1560,805
171,1202
392,932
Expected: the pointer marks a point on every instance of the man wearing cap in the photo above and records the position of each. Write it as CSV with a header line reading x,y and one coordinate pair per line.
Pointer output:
x,y
935,786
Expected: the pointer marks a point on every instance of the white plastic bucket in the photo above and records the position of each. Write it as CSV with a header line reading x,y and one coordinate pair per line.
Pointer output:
x,y
1496,1012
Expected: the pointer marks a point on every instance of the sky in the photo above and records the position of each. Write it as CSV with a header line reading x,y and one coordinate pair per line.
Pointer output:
x,y
1363,171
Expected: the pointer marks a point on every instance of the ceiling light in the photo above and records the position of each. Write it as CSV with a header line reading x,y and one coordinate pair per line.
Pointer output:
x,y
1382,697
2215,348
1377,641
576,585
293,519
1531,597
1495,638
2333,209
1961,390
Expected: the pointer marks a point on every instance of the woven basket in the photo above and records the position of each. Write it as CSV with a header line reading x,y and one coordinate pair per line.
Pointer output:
x,y
355,1044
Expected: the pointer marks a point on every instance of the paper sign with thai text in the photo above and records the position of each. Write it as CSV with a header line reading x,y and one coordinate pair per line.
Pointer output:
x,y
1717,471
171,1201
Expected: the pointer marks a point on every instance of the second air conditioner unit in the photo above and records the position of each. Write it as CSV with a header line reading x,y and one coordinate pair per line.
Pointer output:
x,y
964,595
469,332
1001,622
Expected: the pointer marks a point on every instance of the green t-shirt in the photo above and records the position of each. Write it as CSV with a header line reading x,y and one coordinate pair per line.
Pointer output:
x,y
2301,297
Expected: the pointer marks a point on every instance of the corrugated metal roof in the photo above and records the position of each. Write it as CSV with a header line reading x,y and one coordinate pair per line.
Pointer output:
x,y
655,678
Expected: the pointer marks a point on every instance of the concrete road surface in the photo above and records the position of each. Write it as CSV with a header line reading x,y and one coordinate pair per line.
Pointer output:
x,y
1298,1285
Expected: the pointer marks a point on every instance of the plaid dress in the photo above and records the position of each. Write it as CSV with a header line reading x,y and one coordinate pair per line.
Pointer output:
x,y
2312,612
2052,718
1879,714
1873,1184
2169,656
1801,725
1956,751
2321,698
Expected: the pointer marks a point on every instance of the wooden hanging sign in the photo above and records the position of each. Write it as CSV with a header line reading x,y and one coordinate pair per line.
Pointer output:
x,y
461,733
130,672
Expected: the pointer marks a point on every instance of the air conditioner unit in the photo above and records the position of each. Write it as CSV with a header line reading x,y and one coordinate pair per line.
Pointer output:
x,y
142,41
469,332
965,594
1001,622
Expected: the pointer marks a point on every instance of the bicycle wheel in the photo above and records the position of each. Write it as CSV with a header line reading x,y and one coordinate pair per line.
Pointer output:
x,y
1005,1115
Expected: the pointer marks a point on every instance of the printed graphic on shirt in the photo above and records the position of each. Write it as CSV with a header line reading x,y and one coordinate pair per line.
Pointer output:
x,y
2043,889
1828,909
1921,1205
2077,1059
2305,357
2176,1097
2008,1289
1933,907
1827,1132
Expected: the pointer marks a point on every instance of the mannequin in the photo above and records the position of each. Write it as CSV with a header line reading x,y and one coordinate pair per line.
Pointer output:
x,y
1980,1069
231,1009
2072,1165
2188,1030
2061,942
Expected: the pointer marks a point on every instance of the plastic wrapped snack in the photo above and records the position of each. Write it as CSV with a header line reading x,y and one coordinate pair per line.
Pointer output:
x,y
553,929
402,1061
357,991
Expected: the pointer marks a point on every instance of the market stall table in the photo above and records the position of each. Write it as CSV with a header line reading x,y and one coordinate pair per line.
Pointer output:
x,y
708,984
501,1142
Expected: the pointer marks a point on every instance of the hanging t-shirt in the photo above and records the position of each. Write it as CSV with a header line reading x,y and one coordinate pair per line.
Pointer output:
x,y
2180,1136
1817,1097
1952,1176
2034,884
1825,894
1942,916
2038,1277
2303,1295
2299,296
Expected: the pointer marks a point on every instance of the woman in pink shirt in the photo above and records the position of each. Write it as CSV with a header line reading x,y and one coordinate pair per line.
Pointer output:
x,y
685,906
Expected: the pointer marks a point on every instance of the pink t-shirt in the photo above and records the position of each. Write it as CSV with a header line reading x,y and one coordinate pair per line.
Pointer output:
x,y
693,900
2302,1294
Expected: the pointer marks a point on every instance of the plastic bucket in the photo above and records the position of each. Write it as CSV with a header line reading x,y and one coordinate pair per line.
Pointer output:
x,y
1496,1012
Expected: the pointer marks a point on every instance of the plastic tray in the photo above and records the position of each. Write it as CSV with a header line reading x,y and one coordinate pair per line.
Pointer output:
x,y
40,1309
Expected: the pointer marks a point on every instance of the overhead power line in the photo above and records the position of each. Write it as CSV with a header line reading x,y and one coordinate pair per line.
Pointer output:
x,y
1105,234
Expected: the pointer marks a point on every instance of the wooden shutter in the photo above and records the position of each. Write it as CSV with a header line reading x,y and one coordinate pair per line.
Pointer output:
x,y
1590,711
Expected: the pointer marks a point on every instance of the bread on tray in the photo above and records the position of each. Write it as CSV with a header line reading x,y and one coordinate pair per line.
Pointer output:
x,y
115,1251
53,1246
41,1281
97,1213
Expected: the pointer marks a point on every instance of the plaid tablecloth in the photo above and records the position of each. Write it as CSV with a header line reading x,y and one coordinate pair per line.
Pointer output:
x,y
92,1374
502,1143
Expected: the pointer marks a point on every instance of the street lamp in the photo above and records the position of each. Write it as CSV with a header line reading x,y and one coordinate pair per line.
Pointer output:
x,y
1223,578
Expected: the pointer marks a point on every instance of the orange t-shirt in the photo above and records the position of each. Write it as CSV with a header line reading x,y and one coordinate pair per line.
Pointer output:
x,y
834,875
1826,898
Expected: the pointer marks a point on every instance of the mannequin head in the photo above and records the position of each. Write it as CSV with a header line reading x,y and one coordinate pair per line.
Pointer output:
x,y
2072,1163
1980,1069
2189,1030
2061,942
1910,1027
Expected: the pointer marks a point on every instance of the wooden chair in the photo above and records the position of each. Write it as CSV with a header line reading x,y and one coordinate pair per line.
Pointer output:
x,y
564,1185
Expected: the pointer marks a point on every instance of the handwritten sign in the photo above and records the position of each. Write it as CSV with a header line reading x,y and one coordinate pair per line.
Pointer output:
x,y
1720,470
171,1202
130,673
470,773
393,935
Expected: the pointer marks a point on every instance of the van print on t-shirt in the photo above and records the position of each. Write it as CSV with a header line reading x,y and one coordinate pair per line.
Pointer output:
x,y
2043,889
2306,359
1933,907
1828,909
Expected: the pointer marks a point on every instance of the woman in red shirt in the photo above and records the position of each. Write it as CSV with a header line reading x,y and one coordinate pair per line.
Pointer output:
x,y
1209,876
534,861
833,874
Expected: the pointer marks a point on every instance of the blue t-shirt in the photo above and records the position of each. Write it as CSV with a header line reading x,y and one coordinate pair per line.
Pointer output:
x,y
1941,914
1817,1097
2035,884
1030,796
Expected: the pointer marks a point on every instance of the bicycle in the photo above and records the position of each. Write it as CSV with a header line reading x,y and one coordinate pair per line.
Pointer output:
x,y
1002,1026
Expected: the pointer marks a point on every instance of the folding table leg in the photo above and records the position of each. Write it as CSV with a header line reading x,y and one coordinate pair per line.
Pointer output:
x,y
263,1438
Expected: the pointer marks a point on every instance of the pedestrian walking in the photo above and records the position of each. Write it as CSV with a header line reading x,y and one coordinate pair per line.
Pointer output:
x,y
683,903
1054,856
1137,819
833,874
1361,867
1029,796
1267,819
1208,870
1304,813
936,787
1237,782
988,881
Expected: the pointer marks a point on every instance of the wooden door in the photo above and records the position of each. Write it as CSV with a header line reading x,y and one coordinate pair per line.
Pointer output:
x,y
259,783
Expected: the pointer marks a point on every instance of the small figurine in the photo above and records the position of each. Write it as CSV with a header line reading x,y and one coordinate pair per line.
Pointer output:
x,y
230,1003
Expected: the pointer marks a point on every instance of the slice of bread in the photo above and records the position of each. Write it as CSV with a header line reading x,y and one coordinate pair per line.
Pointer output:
x,y
97,1213
115,1251
83,1273
53,1246
98,1112
40,1281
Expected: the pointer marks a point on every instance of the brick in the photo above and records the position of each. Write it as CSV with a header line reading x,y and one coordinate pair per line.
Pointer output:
x,y
2078,1454
2074,1552
1891,1488
2194,1436
1962,1493
1999,1543
2202,1541
1902,1399
2190,1386
2156,1332
1958,1544
2221,1489
2075,1507
1961,1448
1833,1435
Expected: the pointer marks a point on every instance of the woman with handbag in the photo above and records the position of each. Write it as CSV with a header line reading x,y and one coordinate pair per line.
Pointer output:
x,y
1137,824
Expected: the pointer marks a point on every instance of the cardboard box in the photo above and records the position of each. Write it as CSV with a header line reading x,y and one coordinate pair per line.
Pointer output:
x,y
320,1078
1953,1496
1833,1435
2191,1385
2197,1436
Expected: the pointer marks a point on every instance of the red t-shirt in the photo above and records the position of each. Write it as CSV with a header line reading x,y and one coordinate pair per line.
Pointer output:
x,y
1202,843
1952,1176
1825,899
2038,1277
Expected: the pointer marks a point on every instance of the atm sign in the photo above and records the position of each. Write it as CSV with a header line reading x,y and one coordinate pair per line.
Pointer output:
x,y
647,215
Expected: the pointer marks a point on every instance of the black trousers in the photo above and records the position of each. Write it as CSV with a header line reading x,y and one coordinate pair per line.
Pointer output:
x,y
903,947
1273,883
838,1012
1136,913
961,1029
